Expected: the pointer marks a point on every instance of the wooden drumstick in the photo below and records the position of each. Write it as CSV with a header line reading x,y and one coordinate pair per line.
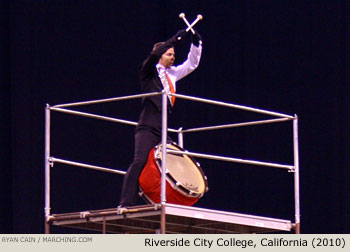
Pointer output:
x,y
182,16
199,17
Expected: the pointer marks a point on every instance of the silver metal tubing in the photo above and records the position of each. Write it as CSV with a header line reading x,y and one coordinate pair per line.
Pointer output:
x,y
296,174
230,105
105,118
164,151
47,163
230,159
235,125
180,137
93,167
129,97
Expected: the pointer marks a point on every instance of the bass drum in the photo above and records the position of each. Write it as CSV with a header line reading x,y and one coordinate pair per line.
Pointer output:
x,y
185,180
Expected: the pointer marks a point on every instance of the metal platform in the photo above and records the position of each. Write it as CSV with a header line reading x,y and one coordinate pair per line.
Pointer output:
x,y
168,218
179,220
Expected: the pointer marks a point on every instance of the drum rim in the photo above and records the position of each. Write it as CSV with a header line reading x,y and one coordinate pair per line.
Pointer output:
x,y
144,196
172,181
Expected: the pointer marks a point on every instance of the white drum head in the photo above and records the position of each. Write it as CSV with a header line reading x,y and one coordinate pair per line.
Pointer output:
x,y
184,171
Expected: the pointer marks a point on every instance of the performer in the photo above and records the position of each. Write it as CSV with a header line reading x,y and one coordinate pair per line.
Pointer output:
x,y
157,73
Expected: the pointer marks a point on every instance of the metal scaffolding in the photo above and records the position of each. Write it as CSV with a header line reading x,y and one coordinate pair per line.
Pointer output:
x,y
163,208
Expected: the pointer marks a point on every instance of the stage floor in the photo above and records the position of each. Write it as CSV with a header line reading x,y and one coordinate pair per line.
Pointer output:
x,y
179,220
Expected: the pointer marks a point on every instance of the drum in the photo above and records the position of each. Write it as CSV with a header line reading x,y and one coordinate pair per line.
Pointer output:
x,y
185,180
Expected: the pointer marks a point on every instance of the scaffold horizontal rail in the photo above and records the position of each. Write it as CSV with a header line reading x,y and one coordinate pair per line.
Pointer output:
x,y
93,167
128,97
236,125
231,105
99,117
105,118
230,159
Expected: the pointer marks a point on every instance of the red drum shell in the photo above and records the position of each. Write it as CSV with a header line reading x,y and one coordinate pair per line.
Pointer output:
x,y
150,183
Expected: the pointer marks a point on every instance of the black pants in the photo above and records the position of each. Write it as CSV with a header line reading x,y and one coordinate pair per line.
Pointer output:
x,y
145,140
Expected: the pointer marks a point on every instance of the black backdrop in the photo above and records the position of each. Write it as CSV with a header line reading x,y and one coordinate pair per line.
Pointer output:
x,y
286,56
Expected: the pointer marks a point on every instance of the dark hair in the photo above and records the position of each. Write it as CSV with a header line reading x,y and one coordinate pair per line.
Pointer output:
x,y
156,45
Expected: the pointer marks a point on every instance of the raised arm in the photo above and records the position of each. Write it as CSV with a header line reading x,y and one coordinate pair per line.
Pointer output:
x,y
193,58
147,67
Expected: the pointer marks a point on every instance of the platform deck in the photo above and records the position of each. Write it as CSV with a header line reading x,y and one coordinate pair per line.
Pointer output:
x,y
179,220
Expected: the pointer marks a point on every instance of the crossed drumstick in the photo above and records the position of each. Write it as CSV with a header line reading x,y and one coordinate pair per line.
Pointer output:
x,y
182,16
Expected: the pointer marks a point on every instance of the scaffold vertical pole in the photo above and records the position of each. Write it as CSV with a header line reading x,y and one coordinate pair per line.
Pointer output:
x,y
164,151
296,175
47,167
180,137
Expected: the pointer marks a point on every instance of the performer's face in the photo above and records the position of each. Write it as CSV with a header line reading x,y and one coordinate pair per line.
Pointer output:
x,y
168,58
